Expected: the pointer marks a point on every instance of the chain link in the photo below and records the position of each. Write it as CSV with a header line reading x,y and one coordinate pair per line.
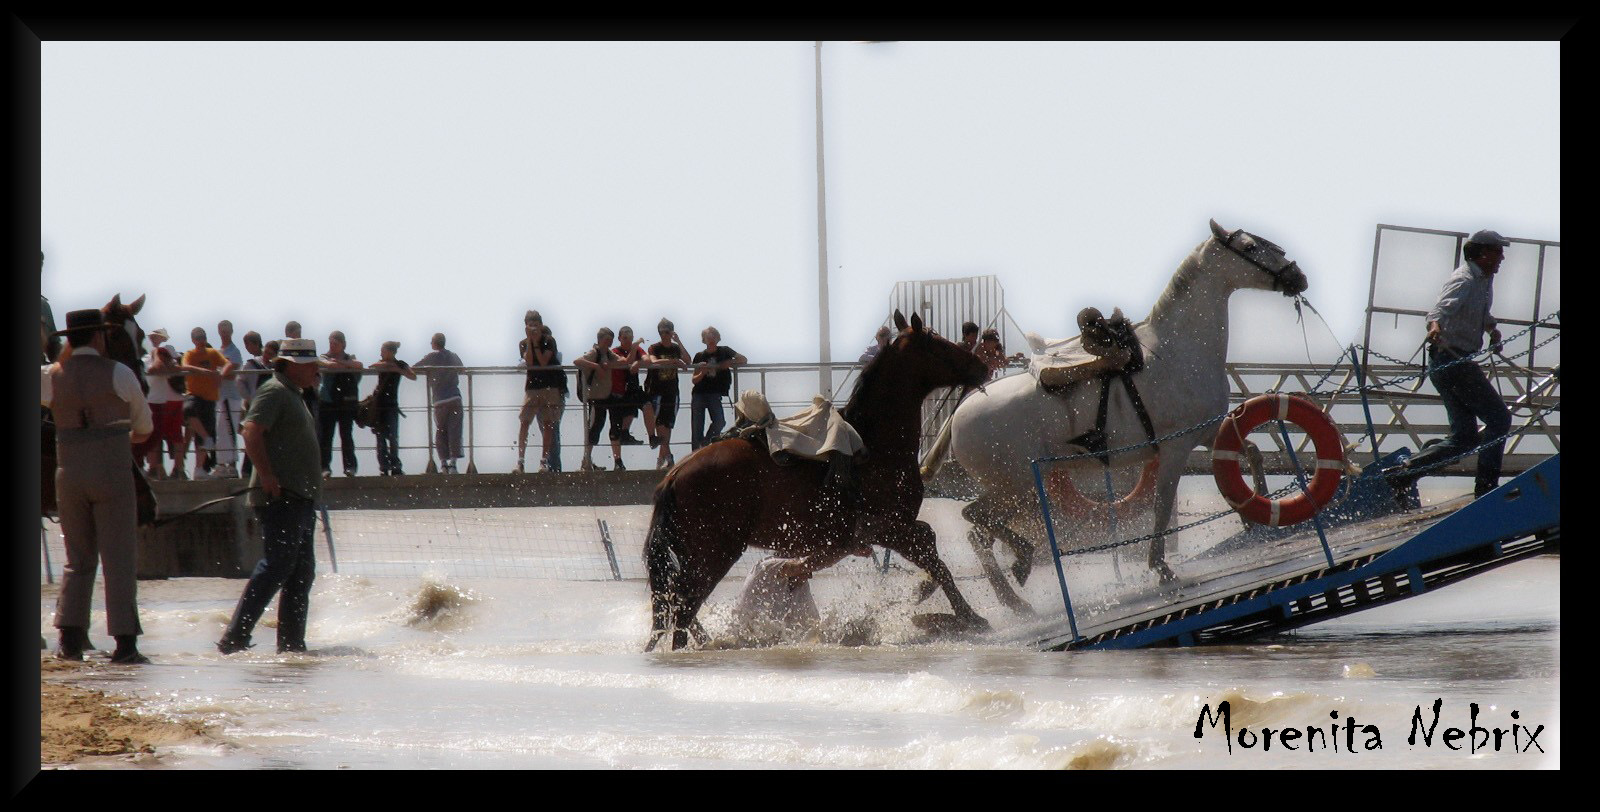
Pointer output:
x,y
1285,490
1316,390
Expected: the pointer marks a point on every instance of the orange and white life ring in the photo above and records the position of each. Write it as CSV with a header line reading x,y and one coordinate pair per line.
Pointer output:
x,y
1226,458
1065,498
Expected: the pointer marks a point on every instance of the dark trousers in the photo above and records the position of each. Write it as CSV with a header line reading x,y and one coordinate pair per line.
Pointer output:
x,y
344,416
702,404
387,433
1468,398
287,527
598,410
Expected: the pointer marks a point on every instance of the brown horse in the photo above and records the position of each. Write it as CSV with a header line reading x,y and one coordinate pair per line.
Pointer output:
x,y
124,344
730,495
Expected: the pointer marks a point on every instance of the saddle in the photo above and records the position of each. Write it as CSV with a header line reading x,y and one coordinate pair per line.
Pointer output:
x,y
818,434
1116,355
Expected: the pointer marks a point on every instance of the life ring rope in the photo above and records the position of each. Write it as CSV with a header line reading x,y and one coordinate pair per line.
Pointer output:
x,y
1329,465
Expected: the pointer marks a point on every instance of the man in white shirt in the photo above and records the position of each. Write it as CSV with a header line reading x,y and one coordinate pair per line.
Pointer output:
x,y
775,605
230,406
99,408
166,405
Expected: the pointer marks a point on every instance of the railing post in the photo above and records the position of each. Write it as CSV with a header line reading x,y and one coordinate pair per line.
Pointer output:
x,y
1361,386
44,544
1055,552
472,442
427,391
1111,511
1300,477
327,533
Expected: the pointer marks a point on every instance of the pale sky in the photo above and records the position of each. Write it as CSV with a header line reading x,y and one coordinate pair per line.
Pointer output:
x,y
395,190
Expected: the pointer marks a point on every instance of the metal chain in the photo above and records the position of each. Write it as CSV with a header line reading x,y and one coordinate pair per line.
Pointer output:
x,y
1284,491
1544,322
1500,438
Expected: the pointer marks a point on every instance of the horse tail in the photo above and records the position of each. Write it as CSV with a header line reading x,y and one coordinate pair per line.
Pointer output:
x,y
660,561
934,459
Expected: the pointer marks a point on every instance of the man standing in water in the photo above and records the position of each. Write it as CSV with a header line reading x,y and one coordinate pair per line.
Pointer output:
x,y
281,439
99,410
1456,325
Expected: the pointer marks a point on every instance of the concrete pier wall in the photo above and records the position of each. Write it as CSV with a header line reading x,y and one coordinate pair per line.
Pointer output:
x,y
223,540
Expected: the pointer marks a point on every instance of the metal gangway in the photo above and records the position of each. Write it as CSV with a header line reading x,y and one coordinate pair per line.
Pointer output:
x,y
1370,563
1373,550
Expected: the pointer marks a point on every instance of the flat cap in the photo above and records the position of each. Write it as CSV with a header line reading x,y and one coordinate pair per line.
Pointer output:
x,y
1487,237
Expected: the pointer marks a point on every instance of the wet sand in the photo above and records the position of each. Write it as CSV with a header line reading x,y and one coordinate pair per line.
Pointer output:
x,y
79,725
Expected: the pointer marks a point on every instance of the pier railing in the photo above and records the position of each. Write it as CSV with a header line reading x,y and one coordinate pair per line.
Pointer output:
x,y
1410,414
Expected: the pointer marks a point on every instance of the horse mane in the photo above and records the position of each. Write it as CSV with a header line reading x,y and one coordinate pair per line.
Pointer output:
x,y
854,406
1178,288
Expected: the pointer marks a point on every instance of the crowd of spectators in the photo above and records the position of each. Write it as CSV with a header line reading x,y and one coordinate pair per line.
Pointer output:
x,y
199,397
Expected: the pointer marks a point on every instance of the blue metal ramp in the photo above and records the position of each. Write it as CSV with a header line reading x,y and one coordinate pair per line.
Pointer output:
x,y
1376,562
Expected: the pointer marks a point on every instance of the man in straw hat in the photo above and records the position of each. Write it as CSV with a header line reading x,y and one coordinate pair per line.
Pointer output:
x,y
100,411
280,438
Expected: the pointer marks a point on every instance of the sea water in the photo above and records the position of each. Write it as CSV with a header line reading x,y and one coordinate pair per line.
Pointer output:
x,y
440,669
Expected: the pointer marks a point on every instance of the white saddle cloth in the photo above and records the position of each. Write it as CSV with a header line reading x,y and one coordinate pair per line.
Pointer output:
x,y
813,433
1062,361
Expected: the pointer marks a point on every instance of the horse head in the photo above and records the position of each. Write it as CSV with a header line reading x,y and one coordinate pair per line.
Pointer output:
x,y
126,345
1253,261
936,361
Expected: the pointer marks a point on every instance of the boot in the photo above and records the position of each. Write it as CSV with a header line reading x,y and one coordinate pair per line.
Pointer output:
x,y
228,645
127,652
72,643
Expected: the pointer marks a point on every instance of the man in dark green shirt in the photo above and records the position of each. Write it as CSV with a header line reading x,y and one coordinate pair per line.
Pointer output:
x,y
281,439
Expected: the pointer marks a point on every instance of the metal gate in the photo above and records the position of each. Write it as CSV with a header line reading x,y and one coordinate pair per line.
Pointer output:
x,y
944,305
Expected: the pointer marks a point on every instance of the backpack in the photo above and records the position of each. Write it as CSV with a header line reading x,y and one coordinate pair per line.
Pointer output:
x,y
596,384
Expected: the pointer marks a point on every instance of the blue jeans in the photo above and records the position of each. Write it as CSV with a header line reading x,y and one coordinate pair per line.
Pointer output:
x,y
387,433
1468,398
700,405
343,416
290,564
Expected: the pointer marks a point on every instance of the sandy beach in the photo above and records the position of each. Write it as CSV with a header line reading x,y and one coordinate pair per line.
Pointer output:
x,y
79,724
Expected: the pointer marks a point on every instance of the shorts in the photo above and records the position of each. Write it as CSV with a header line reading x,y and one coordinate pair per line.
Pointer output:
x,y
168,420
666,409
631,396
205,410
544,405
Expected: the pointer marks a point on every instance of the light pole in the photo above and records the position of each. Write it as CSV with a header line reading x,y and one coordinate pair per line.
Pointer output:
x,y
825,369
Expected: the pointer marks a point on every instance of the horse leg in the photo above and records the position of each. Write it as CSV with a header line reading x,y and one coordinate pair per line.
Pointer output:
x,y
1173,459
699,578
919,547
988,523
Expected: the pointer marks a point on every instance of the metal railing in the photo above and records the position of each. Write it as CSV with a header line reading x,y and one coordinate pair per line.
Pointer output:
x,y
493,395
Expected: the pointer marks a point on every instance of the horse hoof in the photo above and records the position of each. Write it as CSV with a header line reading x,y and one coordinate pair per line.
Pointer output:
x,y
1166,573
1020,607
943,624
976,623
925,589
1021,570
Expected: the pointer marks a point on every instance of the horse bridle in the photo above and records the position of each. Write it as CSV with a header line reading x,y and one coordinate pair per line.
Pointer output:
x,y
1262,243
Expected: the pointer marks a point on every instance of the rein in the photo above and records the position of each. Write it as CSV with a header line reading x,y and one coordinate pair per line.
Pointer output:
x,y
241,492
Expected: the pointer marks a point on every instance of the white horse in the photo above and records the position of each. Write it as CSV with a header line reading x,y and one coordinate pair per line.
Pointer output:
x,y
996,433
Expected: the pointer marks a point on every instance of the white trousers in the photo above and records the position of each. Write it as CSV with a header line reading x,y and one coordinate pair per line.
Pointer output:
x,y
230,415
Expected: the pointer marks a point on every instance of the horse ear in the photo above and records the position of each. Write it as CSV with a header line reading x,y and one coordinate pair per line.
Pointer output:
x,y
1220,232
916,322
116,302
137,303
900,321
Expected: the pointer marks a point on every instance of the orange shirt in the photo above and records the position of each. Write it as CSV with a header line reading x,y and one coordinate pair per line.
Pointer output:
x,y
203,386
